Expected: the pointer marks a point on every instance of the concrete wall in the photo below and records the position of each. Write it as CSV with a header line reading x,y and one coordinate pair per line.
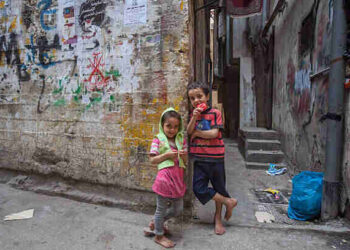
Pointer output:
x,y
247,110
299,101
241,50
301,98
83,84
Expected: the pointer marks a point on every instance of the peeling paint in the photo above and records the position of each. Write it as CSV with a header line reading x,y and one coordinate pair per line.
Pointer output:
x,y
88,89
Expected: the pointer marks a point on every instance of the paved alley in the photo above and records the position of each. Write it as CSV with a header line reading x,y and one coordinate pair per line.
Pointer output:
x,y
63,224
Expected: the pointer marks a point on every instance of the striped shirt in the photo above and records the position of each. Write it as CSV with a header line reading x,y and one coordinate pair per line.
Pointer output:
x,y
208,149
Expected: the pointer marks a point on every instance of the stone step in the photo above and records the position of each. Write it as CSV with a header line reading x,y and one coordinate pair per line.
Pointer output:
x,y
269,145
264,156
263,166
258,133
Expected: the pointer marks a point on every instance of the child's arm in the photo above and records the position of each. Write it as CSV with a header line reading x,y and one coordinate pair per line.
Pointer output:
x,y
205,134
156,159
191,125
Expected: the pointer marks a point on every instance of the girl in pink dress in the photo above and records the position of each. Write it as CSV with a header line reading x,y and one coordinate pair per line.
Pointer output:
x,y
169,152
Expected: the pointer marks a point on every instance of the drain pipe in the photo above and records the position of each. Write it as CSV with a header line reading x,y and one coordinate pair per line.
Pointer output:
x,y
334,141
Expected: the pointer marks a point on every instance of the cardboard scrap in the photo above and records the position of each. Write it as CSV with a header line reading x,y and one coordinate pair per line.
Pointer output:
x,y
26,214
264,217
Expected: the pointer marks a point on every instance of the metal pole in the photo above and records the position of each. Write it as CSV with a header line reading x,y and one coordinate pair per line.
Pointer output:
x,y
334,141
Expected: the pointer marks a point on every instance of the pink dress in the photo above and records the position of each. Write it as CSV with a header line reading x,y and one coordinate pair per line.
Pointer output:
x,y
169,181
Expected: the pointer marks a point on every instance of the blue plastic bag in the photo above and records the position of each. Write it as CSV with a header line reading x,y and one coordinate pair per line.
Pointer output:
x,y
306,199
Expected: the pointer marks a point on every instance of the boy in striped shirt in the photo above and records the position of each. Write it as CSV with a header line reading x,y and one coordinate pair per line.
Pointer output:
x,y
207,149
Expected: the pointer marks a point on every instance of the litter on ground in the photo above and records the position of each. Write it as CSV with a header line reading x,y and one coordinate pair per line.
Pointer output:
x,y
264,217
275,171
26,214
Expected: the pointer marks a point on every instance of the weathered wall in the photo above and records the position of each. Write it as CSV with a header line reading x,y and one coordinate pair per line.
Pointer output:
x,y
241,50
299,101
83,84
301,95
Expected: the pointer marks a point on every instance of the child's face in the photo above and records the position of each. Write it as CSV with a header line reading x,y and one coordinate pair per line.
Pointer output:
x,y
197,96
171,127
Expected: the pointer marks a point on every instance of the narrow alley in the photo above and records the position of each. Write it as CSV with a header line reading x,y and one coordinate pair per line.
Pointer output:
x,y
116,115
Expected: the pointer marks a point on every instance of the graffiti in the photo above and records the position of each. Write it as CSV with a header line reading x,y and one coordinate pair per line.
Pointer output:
x,y
69,37
41,50
47,15
12,54
9,49
90,35
152,40
97,80
299,87
67,89
92,11
97,87
39,109
27,15
302,78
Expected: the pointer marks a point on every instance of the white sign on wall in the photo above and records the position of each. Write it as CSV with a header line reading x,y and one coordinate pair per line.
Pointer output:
x,y
135,12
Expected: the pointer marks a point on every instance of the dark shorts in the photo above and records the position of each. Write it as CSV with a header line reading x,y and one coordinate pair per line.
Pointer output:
x,y
203,173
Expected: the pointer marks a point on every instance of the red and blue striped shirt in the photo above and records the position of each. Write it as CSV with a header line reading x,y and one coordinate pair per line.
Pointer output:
x,y
208,149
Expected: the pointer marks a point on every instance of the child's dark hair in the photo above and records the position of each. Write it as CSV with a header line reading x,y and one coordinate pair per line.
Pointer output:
x,y
170,114
198,85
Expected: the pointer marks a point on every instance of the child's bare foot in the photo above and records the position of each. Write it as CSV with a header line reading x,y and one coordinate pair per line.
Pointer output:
x,y
230,204
219,228
164,241
165,227
151,225
148,232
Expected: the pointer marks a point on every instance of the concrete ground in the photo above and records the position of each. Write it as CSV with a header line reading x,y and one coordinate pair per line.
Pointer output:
x,y
244,184
60,223
63,224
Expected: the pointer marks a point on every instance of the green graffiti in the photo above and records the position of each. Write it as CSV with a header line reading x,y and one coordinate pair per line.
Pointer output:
x,y
114,73
58,90
93,101
76,98
112,98
59,102
78,90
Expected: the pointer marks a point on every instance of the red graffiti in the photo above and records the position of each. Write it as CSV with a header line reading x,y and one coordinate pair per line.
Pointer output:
x,y
96,80
299,100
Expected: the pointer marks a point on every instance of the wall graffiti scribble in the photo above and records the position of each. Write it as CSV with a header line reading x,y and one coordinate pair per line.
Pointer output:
x,y
47,15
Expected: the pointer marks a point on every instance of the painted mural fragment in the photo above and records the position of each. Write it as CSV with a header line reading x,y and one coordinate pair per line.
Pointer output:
x,y
48,14
92,18
67,23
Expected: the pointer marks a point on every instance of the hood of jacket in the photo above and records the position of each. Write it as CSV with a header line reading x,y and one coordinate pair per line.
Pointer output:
x,y
181,127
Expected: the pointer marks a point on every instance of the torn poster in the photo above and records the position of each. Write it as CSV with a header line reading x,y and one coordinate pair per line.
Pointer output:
x,y
135,12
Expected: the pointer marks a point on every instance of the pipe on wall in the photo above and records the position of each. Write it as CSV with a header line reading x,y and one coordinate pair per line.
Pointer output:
x,y
334,140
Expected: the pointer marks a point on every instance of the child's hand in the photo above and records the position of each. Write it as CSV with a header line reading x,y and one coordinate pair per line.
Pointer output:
x,y
197,112
172,155
183,154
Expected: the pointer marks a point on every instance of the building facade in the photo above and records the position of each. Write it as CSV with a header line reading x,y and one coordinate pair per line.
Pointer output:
x,y
83,83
